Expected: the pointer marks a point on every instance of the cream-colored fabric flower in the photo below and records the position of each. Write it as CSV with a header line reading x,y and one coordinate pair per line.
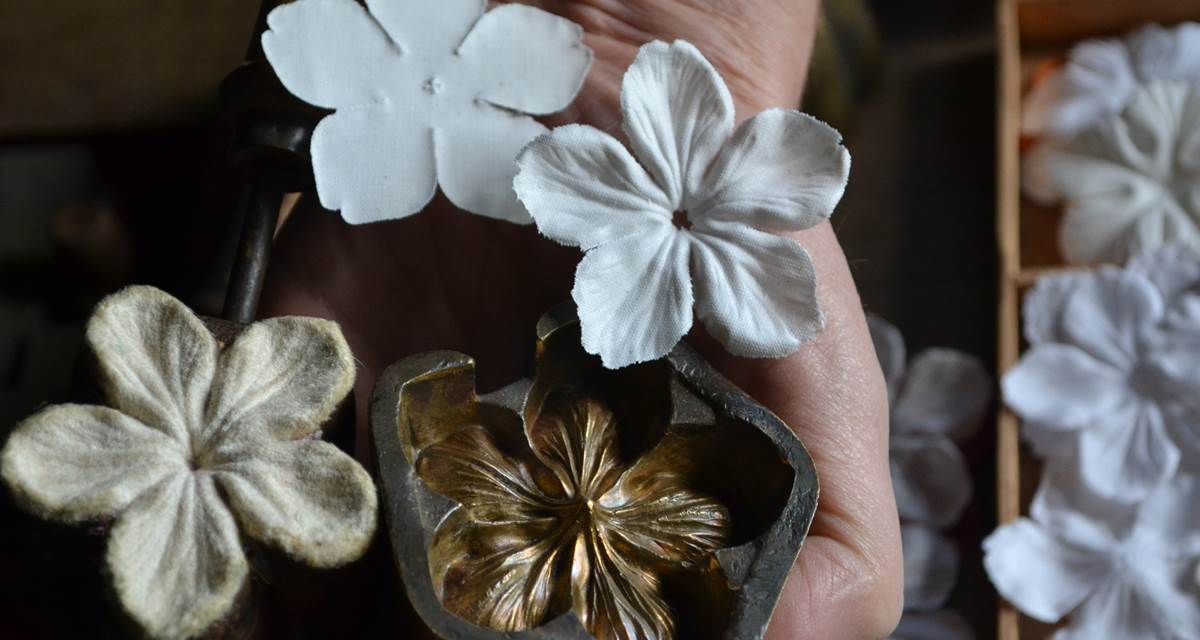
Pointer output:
x,y
199,440
679,223
1130,184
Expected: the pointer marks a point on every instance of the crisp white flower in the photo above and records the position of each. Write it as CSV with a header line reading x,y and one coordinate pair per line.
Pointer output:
x,y
199,441
1100,75
684,227
427,92
936,400
1117,571
1129,184
1106,384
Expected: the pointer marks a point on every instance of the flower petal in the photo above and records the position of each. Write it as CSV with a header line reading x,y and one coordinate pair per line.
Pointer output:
x,y
1064,578
781,170
1094,84
677,114
468,468
281,378
156,359
1108,313
1174,269
329,53
614,598
665,521
1116,610
1127,453
477,160
930,479
514,43
305,497
75,462
175,557
576,437
1169,53
946,392
584,189
930,568
756,292
1064,504
946,624
634,297
1060,386
892,354
500,576
1043,306
371,177
429,27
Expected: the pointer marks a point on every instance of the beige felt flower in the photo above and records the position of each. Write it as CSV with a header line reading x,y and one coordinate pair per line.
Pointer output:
x,y
199,440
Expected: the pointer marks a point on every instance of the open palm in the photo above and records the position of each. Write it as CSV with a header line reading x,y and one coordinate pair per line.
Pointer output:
x,y
445,279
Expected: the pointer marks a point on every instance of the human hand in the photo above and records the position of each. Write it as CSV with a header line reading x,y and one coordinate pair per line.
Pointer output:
x,y
445,279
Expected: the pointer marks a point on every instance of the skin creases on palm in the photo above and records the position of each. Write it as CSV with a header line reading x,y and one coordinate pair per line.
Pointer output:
x,y
446,279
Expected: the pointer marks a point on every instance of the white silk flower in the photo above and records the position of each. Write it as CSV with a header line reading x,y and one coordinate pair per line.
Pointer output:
x,y
1114,570
1130,184
426,93
1100,76
679,223
1109,383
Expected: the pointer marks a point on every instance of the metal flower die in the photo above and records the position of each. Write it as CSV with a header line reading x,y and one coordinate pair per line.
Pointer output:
x,y
656,501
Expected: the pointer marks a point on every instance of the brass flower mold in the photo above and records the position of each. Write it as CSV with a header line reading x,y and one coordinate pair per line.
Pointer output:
x,y
657,501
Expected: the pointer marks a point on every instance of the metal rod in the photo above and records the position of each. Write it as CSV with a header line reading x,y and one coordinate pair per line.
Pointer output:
x,y
263,201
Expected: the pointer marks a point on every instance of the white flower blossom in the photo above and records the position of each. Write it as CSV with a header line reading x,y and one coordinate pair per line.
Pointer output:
x,y
1100,75
936,400
427,93
199,443
1116,571
1130,184
1108,385
684,228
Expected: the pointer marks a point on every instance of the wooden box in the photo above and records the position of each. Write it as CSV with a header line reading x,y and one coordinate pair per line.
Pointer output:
x,y
1031,34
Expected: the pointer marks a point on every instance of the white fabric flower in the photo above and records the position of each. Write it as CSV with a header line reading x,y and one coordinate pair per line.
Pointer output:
x,y
684,227
1117,571
427,92
939,398
1100,75
1130,184
201,441
1106,381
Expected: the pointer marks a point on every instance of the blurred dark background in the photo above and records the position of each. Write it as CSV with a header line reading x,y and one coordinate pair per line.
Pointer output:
x,y
114,170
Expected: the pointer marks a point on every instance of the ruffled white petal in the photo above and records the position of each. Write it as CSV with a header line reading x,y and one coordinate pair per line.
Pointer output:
x,y
935,625
371,176
75,462
634,297
1061,386
1173,268
1094,84
427,29
930,479
304,497
677,114
548,48
583,188
282,378
892,354
781,170
930,568
329,53
1064,504
1108,313
155,358
945,392
1043,306
477,161
1065,576
1167,53
755,292
175,558
1127,453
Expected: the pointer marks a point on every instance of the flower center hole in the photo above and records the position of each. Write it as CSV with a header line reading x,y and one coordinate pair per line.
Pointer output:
x,y
680,220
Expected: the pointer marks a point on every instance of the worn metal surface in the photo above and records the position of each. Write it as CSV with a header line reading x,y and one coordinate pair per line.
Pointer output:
x,y
675,417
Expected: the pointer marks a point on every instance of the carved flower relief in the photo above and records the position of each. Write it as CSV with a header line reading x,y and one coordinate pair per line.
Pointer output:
x,y
567,527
